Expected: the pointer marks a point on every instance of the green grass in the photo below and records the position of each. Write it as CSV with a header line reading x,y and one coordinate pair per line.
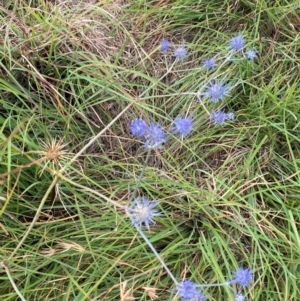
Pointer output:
x,y
71,79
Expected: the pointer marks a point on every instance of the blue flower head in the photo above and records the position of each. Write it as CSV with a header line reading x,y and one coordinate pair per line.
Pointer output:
x,y
216,91
251,54
219,117
155,136
239,297
182,126
230,116
164,45
180,52
237,43
209,63
143,211
243,277
138,127
188,291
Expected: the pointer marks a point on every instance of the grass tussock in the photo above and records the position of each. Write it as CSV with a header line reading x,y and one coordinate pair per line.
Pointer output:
x,y
73,76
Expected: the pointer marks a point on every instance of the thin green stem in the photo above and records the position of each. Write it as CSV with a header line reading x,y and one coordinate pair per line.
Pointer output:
x,y
13,282
133,195
52,185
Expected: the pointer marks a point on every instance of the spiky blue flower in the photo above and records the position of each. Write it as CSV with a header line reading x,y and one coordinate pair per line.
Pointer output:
x,y
138,127
237,43
180,52
216,91
164,45
242,276
142,211
188,291
230,116
251,54
218,117
182,126
239,297
209,63
155,136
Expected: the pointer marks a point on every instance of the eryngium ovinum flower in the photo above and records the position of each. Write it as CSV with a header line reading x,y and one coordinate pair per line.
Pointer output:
x,y
164,45
243,277
142,211
237,43
209,63
138,127
251,54
216,91
219,117
239,297
180,52
188,291
155,136
182,126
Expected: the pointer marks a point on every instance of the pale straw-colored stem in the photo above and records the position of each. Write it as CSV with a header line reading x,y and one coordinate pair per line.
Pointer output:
x,y
156,254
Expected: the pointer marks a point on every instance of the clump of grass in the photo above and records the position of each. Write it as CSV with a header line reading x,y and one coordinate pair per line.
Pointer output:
x,y
73,77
